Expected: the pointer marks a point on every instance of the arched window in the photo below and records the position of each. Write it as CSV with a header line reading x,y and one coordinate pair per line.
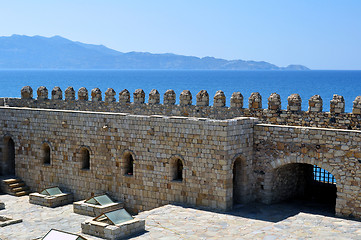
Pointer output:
x,y
85,158
46,154
128,161
176,169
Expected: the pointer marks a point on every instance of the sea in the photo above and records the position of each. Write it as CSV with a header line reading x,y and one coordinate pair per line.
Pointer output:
x,y
285,83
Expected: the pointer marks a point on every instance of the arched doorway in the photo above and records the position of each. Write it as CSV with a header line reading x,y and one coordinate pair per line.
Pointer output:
x,y
8,163
302,181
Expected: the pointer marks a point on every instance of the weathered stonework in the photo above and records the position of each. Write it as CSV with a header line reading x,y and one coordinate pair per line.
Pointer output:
x,y
185,98
274,102
154,97
50,201
42,93
27,92
357,105
315,104
226,155
56,94
169,97
83,94
294,103
96,95
109,95
139,96
337,104
202,98
69,94
219,99
124,97
83,208
255,101
113,232
237,100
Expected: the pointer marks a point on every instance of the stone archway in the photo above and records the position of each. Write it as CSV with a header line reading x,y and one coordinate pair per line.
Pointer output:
x,y
289,179
8,161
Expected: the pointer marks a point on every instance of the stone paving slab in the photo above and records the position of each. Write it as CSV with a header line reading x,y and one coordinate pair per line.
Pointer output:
x,y
255,221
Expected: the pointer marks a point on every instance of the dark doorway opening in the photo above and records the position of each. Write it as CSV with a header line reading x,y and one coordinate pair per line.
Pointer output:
x,y
8,165
237,181
307,184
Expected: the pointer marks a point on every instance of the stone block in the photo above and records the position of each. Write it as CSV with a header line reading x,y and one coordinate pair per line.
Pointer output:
x,y
185,98
96,95
237,100
83,94
154,97
50,201
42,93
69,94
109,95
255,101
337,104
357,105
315,104
56,93
27,92
274,102
219,99
124,97
169,97
202,98
294,103
139,96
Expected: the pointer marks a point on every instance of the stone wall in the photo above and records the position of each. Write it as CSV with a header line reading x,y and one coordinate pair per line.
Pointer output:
x,y
337,151
206,147
272,114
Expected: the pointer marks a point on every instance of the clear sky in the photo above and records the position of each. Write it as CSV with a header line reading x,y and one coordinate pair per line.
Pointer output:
x,y
320,34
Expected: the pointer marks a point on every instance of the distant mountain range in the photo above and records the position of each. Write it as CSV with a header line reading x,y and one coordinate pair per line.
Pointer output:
x,y
37,52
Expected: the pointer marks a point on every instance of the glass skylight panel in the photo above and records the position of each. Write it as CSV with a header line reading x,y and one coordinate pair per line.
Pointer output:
x,y
99,200
54,234
118,216
103,200
51,191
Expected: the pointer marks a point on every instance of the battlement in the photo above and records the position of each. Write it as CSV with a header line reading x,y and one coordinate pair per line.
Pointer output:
x,y
273,114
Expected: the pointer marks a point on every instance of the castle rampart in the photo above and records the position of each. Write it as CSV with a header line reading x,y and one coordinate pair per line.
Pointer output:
x,y
151,154
272,114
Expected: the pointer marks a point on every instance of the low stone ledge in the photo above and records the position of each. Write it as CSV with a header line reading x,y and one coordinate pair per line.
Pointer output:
x,y
2,205
83,208
113,232
50,201
6,221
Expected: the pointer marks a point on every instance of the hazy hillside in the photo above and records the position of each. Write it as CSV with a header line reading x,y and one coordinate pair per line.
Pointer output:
x,y
57,52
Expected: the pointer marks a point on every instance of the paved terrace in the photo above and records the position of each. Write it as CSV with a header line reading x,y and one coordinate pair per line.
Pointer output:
x,y
280,221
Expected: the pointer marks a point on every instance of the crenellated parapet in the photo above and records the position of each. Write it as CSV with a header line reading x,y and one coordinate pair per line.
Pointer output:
x,y
274,102
337,104
202,98
274,114
315,104
69,94
294,103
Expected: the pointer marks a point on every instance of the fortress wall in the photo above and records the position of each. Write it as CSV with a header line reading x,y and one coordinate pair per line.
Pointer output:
x,y
337,151
206,147
197,106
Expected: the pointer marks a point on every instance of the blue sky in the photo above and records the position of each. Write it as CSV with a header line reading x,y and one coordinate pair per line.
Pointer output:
x,y
320,34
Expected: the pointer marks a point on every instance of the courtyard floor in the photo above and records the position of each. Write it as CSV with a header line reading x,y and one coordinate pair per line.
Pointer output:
x,y
255,221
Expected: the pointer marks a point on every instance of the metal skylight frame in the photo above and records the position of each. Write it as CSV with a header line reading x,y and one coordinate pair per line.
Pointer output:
x,y
55,234
51,191
99,200
115,217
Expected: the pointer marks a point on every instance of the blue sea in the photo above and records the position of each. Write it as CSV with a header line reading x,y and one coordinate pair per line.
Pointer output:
x,y
305,83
